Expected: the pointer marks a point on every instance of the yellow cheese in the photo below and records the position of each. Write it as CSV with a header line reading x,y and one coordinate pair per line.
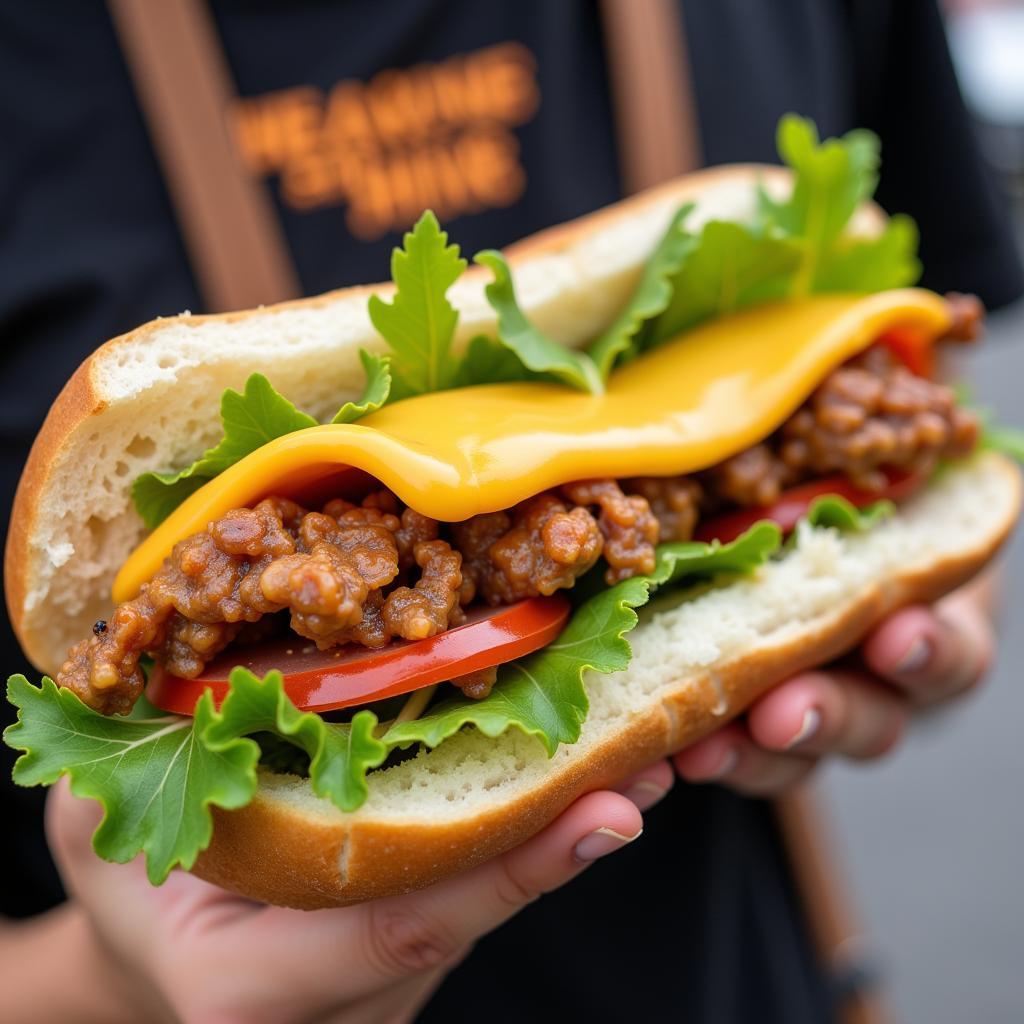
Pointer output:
x,y
683,407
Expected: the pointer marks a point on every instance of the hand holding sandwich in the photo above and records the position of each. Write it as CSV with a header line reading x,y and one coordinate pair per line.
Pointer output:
x,y
917,658
191,951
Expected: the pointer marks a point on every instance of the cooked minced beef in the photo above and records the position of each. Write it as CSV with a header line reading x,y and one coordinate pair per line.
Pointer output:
x,y
873,412
372,572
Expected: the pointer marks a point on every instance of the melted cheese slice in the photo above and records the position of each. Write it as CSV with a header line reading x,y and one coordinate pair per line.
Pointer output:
x,y
685,406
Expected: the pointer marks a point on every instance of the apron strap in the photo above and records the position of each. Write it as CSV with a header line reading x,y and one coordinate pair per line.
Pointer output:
x,y
235,242
652,91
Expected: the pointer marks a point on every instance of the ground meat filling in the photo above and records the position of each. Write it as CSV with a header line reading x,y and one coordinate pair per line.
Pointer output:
x,y
873,412
674,501
547,546
627,524
477,685
756,476
373,572
428,608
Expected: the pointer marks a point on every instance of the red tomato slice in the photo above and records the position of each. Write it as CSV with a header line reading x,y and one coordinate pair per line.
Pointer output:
x,y
343,676
913,347
794,504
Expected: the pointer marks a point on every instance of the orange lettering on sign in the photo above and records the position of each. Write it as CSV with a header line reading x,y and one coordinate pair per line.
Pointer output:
x,y
490,163
436,135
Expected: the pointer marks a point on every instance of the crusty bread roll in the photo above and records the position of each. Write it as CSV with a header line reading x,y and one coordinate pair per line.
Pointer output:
x,y
150,400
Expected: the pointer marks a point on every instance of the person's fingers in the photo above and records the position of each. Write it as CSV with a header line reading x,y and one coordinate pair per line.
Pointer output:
x,y
134,915
647,787
933,653
427,930
829,712
731,757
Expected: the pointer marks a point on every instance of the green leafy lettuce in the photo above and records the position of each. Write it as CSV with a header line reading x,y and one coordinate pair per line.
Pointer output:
x,y
997,437
730,267
836,511
652,295
831,179
419,323
794,246
488,361
157,775
250,419
153,774
376,390
535,350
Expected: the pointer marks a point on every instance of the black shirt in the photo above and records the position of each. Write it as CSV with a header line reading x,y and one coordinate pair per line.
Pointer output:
x,y
498,116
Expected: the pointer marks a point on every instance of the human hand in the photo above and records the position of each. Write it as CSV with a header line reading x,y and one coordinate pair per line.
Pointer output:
x,y
917,658
197,953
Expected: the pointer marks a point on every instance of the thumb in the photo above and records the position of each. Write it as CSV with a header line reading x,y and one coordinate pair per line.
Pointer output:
x,y
131,913
431,929
596,825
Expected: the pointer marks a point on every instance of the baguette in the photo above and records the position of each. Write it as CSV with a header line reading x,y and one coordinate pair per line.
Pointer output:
x,y
149,400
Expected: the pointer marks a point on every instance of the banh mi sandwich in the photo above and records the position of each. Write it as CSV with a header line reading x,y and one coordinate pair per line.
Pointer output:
x,y
584,503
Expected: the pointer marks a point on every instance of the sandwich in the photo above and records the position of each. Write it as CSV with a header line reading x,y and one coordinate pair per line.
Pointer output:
x,y
465,546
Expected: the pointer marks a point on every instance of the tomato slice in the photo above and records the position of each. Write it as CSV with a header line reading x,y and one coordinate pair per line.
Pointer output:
x,y
343,676
794,504
913,347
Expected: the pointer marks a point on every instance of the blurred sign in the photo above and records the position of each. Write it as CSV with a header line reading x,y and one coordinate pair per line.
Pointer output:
x,y
434,135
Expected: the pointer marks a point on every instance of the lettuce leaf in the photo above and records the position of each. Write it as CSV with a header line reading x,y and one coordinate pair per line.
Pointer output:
x,y
544,694
872,264
157,775
376,390
153,774
339,755
419,323
831,179
836,511
653,293
487,361
730,266
1005,440
535,350
793,246
250,419
687,561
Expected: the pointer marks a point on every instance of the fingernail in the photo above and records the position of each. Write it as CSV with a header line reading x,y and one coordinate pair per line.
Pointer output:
x,y
809,725
645,793
601,842
915,657
730,759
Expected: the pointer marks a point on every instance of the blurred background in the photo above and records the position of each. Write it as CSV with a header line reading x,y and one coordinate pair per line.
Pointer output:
x,y
932,836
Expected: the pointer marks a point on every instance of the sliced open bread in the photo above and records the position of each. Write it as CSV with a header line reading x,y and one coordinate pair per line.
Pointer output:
x,y
149,400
